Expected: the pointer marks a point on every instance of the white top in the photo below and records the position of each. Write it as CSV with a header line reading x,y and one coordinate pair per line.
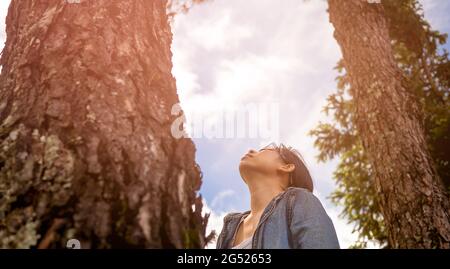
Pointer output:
x,y
246,244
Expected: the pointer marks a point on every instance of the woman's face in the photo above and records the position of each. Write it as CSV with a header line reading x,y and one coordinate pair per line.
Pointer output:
x,y
265,161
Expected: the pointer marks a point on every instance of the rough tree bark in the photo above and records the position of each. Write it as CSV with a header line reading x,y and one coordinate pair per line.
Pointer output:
x,y
413,201
85,116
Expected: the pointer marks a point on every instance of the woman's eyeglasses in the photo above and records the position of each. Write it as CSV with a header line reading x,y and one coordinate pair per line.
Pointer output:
x,y
280,150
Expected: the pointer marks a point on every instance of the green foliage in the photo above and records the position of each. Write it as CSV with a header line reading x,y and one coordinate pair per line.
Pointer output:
x,y
427,69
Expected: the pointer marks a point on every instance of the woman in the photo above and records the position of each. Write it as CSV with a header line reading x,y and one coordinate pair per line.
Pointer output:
x,y
284,212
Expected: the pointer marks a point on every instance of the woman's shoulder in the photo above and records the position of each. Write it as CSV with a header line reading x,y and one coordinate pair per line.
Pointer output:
x,y
301,193
304,200
233,215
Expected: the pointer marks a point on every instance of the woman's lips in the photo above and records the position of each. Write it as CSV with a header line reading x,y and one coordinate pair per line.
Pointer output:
x,y
245,156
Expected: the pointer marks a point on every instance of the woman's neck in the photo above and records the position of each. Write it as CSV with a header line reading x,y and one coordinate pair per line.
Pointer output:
x,y
260,197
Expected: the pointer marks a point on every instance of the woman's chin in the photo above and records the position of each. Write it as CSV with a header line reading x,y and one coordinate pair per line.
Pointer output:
x,y
242,163
245,164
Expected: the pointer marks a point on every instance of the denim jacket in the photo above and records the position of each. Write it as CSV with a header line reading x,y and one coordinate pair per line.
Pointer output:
x,y
294,219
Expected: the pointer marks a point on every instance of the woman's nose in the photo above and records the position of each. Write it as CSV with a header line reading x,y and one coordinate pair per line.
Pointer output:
x,y
251,151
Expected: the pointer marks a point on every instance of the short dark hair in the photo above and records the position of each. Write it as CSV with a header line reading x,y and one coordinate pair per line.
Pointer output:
x,y
300,177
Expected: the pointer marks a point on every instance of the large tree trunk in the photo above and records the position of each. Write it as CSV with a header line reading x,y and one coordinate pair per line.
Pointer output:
x,y
413,202
85,111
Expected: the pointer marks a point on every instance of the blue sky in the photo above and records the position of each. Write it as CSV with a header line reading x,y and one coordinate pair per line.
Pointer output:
x,y
234,52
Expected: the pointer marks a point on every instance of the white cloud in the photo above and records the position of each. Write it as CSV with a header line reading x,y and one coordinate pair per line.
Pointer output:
x,y
4,4
344,231
215,223
208,34
436,12
219,199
